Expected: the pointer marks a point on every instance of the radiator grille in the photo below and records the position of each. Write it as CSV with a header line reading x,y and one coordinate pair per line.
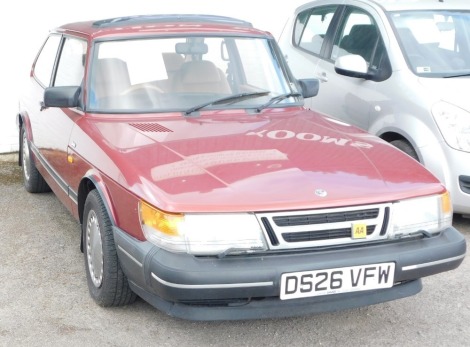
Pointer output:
x,y
322,235
323,228
323,218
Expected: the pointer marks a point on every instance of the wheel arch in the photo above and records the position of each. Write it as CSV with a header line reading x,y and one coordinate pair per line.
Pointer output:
x,y
391,135
415,127
429,150
92,181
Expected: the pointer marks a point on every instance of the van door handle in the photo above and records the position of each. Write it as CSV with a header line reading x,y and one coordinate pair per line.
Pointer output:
x,y
322,77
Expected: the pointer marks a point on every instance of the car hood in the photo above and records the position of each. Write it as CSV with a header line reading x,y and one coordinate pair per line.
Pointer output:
x,y
229,161
452,90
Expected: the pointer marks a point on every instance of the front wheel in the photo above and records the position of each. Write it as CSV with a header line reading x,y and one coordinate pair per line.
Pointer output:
x,y
406,147
107,283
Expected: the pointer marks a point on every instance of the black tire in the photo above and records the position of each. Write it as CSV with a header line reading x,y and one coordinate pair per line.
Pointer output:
x,y
107,283
406,147
33,181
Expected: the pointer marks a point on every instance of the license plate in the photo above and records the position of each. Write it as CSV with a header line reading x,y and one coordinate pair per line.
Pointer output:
x,y
339,280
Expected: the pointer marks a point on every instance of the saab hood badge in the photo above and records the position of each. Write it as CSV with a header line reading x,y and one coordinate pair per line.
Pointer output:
x,y
321,193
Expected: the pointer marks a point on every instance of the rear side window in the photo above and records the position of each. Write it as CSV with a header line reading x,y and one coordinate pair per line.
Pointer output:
x,y
70,69
311,27
45,61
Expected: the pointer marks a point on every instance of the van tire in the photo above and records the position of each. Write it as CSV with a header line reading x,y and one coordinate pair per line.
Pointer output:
x,y
406,147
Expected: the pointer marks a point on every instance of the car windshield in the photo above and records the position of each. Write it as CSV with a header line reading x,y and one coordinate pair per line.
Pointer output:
x,y
435,43
186,73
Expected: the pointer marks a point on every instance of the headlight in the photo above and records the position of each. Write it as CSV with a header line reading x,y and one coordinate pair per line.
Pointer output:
x,y
454,124
430,214
201,233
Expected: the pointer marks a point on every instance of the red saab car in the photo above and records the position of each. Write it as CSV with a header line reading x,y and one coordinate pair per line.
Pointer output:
x,y
181,145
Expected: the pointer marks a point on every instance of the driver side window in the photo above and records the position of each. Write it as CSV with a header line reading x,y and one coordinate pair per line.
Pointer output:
x,y
358,35
71,67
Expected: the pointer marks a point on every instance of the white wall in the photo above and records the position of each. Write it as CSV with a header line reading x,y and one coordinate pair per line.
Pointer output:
x,y
25,25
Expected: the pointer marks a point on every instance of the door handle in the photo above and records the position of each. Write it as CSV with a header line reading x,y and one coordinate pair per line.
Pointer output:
x,y
322,77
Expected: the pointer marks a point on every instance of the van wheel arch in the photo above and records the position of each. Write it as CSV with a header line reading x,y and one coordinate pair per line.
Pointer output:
x,y
402,144
405,147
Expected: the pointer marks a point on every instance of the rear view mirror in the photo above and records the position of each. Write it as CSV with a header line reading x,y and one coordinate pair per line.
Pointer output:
x,y
352,65
309,87
61,96
186,48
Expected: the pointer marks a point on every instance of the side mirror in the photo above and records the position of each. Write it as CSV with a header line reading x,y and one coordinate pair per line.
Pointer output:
x,y
61,97
352,65
309,86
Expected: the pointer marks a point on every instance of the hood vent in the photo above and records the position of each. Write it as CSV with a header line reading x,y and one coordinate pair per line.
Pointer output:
x,y
150,127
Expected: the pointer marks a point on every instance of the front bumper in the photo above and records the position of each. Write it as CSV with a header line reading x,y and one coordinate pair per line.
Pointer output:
x,y
248,286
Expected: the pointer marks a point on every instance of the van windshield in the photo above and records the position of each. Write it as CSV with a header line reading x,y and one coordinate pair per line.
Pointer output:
x,y
435,43
180,73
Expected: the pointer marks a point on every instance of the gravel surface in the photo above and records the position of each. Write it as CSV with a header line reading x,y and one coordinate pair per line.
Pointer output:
x,y
44,298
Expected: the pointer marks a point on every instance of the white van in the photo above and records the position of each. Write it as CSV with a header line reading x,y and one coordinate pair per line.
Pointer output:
x,y
399,69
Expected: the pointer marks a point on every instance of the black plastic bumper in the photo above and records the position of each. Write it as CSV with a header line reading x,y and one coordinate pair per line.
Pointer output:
x,y
247,287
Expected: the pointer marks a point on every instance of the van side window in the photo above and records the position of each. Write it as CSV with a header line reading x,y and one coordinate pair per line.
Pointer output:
x,y
311,26
358,34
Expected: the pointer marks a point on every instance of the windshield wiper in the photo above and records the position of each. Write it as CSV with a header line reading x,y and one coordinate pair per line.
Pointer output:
x,y
277,99
226,99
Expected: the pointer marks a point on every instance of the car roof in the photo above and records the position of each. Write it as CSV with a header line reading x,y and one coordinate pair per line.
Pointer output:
x,y
397,5
160,24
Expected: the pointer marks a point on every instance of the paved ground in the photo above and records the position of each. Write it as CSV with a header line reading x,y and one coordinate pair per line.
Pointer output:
x,y
44,298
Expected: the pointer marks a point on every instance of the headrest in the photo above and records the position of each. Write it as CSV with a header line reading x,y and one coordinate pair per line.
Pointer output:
x,y
111,70
173,61
363,31
200,71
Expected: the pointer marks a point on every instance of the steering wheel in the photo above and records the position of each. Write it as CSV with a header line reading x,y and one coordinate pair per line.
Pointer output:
x,y
141,87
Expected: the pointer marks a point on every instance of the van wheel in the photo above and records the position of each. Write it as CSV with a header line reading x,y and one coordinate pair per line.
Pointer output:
x,y
107,283
406,147
33,181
